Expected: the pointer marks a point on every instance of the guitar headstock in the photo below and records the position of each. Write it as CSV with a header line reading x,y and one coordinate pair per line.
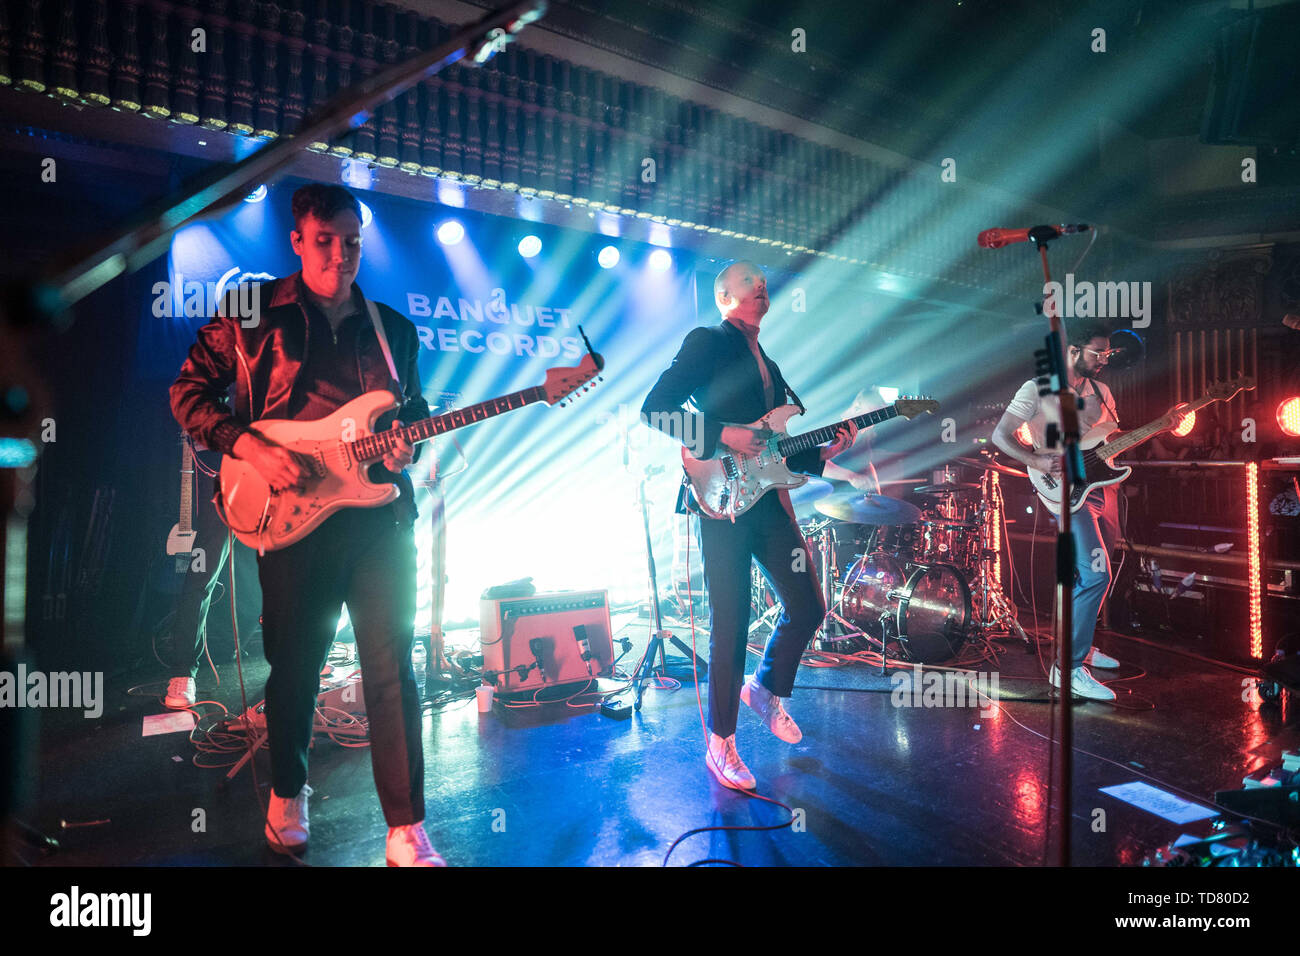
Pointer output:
x,y
911,406
1222,391
563,382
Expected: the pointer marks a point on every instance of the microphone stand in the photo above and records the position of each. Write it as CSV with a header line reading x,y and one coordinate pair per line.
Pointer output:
x,y
1053,361
657,634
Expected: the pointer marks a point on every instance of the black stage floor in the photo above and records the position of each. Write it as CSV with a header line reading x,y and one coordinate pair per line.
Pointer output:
x,y
875,783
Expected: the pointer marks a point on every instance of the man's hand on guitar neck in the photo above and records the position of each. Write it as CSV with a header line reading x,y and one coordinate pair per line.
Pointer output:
x,y
278,466
845,435
401,454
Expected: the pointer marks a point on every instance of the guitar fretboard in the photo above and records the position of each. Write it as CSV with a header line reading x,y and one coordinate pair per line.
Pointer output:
x,y
1138,435
186,521
379,444
797,443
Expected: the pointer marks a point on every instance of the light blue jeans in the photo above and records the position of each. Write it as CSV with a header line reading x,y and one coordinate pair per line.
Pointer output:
x,y
1096,529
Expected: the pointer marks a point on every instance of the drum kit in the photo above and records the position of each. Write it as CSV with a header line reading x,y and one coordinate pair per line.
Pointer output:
x,y
924,580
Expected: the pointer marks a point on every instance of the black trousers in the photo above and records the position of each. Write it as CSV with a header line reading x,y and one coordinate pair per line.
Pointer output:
x,y
766,533
366,558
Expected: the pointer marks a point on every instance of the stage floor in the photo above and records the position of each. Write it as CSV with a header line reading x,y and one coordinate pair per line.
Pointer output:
x,y
874,783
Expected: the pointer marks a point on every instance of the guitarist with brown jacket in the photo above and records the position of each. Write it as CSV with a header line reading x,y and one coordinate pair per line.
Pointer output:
x,y
313,348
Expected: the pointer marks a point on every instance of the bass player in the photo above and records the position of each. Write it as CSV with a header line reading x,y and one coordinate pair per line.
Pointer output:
x,y
1096,524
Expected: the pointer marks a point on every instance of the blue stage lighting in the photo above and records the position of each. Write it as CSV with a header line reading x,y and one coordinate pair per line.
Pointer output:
x,y
529,246
608,257
660,260
451,232
257,195
367,217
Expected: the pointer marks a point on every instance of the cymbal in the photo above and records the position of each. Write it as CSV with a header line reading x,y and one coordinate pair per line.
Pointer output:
x,y
948,488
989,463
802,498
857,508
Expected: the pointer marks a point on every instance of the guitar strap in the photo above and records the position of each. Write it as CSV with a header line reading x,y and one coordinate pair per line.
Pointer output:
x,y
373,312
793,397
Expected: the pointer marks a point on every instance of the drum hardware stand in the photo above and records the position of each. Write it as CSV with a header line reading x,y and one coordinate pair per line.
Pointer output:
x,y
996,611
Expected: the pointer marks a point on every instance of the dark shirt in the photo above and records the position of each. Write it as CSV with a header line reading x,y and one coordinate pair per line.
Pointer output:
x,y
330,375
716,372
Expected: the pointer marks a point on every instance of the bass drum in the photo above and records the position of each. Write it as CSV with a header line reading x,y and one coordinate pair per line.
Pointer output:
x,y
868,586
934,614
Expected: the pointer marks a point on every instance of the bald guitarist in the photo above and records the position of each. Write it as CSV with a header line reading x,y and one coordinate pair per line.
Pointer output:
x,y
724,372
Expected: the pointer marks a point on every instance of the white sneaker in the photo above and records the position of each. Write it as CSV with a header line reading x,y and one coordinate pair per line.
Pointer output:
x,y
286,821
409,846
727,765
1096,658
1083,684
770,709
180,693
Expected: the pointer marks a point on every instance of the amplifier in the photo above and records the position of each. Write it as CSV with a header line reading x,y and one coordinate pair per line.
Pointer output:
x,y
545,639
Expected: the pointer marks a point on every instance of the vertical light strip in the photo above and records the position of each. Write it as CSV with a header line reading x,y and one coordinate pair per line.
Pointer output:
x,y
1252,560
997,530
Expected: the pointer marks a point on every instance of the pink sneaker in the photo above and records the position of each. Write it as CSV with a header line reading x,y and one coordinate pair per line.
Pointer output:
x,y
409,846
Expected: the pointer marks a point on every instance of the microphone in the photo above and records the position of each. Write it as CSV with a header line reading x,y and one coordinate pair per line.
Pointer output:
x,y
997,238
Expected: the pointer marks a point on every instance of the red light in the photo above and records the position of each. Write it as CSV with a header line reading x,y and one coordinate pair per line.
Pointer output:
x,y
1185,425
1288,416
1023,436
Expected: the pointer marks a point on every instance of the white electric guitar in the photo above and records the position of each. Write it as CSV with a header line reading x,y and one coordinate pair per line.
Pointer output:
x,y
180,540
1098,472
731,482
342,447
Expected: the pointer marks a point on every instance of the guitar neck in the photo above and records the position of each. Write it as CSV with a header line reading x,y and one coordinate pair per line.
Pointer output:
x,y
1138,435
380,443
797,443
186,520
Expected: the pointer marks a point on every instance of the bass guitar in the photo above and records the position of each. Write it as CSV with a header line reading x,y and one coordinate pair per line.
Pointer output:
x,y
1098,472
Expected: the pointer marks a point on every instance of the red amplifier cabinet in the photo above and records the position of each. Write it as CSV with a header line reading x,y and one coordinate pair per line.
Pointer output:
x,y
517,632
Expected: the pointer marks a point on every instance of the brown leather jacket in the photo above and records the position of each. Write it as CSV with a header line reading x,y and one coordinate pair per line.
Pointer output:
x,y
262,360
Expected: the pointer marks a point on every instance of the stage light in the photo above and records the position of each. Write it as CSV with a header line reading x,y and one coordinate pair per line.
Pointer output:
x,y
257,195
367,217
888,394
1023,435
1288,417
608,257
660,260
1185,425
529,246
451,232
